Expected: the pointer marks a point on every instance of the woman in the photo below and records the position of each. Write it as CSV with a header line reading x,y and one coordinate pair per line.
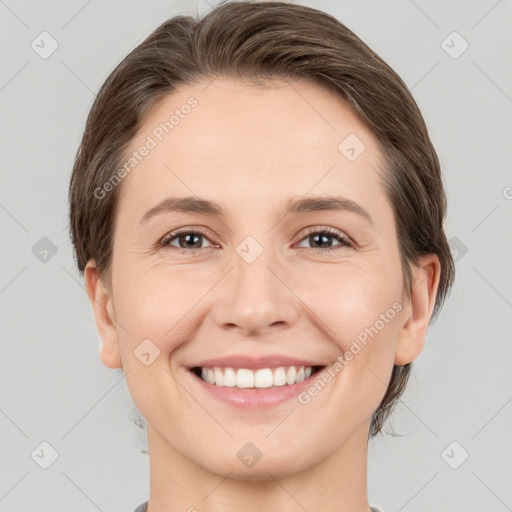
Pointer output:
x,y
257,210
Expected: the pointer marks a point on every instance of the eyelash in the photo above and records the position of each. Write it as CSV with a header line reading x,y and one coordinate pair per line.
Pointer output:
x,y
344,240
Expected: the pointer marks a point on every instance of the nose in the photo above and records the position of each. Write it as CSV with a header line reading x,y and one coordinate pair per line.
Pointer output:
x,y
255,299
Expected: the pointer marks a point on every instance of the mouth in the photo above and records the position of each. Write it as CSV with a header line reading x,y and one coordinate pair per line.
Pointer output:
x,y
254,382
261,378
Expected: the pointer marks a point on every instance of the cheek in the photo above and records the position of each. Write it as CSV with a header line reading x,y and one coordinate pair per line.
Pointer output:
x,y
359,311
157,304
357,302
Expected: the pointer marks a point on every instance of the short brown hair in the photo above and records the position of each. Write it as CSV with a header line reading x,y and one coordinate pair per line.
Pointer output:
x,y
257,42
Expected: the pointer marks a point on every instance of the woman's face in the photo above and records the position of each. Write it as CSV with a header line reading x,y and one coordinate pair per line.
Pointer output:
x,y
261,286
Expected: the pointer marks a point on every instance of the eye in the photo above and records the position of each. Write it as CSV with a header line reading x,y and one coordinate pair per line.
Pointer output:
x,y
193,238
319,236
186,239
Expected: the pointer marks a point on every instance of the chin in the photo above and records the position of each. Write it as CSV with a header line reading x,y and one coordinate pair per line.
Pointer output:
x,y
267,465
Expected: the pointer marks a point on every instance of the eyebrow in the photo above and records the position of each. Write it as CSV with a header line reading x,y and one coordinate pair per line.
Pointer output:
x,y
303,205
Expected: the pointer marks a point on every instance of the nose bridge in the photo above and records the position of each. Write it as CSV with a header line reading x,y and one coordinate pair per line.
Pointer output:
x,y
255,298
252,274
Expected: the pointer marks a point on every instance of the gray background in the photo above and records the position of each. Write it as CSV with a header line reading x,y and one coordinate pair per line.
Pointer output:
x,y
53,385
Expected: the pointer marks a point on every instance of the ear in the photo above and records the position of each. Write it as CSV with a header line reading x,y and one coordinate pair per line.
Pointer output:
x,y
102,306
412,335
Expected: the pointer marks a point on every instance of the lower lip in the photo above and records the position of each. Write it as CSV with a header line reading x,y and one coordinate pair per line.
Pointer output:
x,y
254,398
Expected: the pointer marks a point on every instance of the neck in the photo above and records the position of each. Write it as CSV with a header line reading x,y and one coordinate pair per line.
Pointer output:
x,y
335,484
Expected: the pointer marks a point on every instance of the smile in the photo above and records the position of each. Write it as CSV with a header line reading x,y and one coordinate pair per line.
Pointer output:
x,y
245,378
253,382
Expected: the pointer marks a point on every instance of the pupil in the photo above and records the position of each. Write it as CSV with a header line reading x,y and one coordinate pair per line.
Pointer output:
x,y
322,237
189,238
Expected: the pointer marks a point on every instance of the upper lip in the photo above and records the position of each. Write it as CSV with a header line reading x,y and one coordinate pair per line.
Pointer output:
x,y
243,361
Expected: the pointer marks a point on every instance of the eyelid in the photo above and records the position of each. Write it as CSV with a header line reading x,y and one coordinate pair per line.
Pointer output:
x,y
345,240
164,242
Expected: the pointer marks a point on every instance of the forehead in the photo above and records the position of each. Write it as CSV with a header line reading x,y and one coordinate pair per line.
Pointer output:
x,y
243,144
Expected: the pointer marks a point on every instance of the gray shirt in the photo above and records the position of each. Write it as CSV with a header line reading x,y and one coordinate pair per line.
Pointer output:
x,y
143,506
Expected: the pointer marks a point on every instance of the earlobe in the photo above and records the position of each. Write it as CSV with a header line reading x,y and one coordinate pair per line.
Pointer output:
x,y
413,333
102,306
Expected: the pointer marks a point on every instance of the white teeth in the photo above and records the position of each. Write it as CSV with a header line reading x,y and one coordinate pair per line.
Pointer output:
x,y
229,377
219,376
262,378
244,378
279,377
291,374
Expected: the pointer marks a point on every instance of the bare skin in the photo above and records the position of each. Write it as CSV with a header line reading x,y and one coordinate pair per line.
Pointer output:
x,y
251,150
